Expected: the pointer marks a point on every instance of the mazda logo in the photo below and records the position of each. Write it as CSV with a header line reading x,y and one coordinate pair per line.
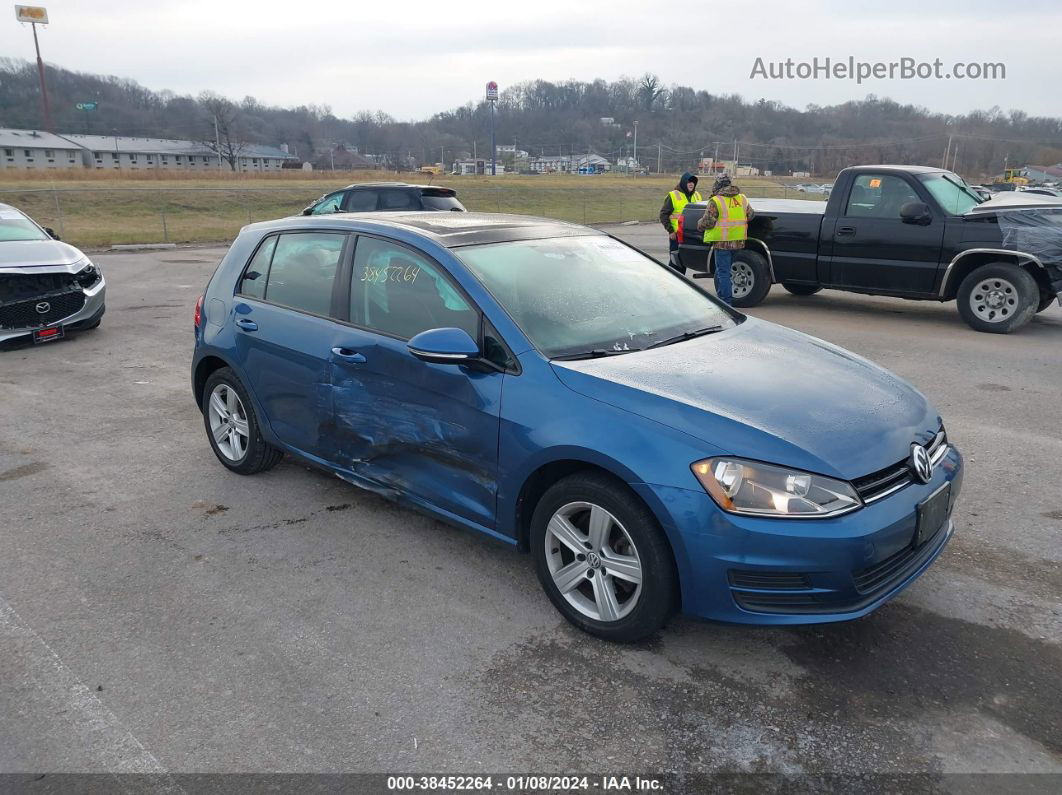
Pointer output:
x,y
43,308
921,464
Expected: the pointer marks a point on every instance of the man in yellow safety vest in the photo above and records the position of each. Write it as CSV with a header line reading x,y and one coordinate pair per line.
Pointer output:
x,y
725,224
684,193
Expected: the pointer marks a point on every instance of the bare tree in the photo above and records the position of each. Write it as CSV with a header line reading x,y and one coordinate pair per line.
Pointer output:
x,y
229,141
650,91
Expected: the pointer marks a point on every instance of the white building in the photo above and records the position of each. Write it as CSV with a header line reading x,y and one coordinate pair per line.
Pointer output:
x,y
566,164
31,149
37,150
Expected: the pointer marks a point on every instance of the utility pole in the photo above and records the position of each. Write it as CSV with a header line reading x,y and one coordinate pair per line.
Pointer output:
x,y
659,155
636,147
38,16
217,141
735,158
442,157
947,153
715,157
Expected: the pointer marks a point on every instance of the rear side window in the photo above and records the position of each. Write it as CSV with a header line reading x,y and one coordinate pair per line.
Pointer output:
x,y
303,271
361,201
254,278
398,200
396,291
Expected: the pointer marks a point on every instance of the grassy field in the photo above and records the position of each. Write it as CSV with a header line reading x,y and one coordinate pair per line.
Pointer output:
x,y
98,209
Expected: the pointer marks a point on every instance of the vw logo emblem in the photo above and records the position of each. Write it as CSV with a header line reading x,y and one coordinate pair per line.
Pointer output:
x,y
920,463
593,560
43,308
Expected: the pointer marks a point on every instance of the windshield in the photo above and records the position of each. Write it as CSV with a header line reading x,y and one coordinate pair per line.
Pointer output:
x,y
15,226
590,295
951,192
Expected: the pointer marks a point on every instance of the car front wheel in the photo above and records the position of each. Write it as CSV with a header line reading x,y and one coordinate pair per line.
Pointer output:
x,y
232,426
602,558
998,298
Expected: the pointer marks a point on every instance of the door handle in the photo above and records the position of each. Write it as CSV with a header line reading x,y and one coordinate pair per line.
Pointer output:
x,y
247,324
347,355
845,230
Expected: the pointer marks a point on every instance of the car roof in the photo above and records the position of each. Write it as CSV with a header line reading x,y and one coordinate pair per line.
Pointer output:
x,y
451,230
908,169
358,185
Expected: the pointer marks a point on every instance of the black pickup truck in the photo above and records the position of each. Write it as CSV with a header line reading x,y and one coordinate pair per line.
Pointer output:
x,y
906,231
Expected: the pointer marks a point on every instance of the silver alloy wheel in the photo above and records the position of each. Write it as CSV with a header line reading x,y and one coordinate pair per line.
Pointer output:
x,y
593,561
994,300
228,422
743,279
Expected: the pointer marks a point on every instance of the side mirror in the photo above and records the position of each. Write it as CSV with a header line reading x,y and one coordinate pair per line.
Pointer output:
x,y
51,233
916,213
444,346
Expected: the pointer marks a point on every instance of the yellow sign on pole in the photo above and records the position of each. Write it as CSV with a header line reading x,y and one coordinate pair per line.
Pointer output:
x,y
36,14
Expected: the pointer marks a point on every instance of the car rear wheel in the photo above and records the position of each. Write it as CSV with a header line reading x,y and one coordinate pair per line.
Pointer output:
x,y
602,558
801,289
232,427
998,298
751,276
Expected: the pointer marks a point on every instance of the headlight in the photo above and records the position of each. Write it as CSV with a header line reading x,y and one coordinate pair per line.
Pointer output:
x,y
749,487
89,273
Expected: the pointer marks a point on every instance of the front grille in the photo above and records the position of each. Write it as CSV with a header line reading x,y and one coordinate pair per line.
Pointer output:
x,y
780,602
24,314
893,478
768,580
24,286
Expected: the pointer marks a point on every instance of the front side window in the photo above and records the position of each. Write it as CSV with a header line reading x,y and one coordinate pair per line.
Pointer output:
x,y
398,292
879,196
589,295
361,201
330,204
303,270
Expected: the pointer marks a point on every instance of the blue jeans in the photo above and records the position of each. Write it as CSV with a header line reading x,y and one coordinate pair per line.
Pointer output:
x,y
724,282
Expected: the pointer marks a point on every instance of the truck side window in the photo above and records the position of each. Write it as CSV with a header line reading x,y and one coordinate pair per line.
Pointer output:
x,y
879,196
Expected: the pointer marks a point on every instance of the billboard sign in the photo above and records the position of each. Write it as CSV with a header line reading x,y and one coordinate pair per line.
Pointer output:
x,y
492,91
34,14
87,105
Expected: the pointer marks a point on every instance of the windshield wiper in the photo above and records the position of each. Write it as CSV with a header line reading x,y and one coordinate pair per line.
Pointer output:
x,y
685,335
596,353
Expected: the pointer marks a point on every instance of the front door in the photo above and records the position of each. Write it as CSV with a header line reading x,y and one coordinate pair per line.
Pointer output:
x,y
872,249
428,430
284,335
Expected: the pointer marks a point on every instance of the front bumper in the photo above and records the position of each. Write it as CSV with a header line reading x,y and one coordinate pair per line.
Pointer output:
x,y
86,314
753,570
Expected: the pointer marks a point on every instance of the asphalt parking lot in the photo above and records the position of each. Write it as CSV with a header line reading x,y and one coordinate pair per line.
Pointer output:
x,y
158,613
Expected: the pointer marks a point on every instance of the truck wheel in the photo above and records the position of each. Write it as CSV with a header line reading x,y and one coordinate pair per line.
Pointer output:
x,y
998,298
1046,300
801,289
752,277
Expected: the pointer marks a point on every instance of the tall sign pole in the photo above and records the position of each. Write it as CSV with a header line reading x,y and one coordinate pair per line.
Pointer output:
x,y
35,15
492,98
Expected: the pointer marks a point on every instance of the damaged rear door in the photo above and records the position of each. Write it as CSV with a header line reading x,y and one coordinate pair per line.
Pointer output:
x,y
410,427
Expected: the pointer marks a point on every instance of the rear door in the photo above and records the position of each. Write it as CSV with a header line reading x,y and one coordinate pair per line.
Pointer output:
x,y
398,199
872,249
285,331
427,430
363,200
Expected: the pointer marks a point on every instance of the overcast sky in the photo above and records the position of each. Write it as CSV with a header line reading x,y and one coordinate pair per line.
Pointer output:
x,y
414,58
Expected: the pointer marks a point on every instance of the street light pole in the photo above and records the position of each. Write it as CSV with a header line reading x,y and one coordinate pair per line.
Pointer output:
x,y
44,86
636,147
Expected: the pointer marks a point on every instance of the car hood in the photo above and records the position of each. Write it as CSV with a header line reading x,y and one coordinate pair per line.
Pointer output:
x,y
769,393
37,253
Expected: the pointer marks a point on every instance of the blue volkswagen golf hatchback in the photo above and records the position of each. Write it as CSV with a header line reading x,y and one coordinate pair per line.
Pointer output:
x,y
555,388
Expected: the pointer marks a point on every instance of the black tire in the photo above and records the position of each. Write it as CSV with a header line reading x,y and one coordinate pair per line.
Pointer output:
x,y
657,599
1014,287
1047,300
259,454
761,277
801,289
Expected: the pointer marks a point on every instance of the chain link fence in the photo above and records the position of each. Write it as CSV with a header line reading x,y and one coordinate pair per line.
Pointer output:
x,y
101,217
